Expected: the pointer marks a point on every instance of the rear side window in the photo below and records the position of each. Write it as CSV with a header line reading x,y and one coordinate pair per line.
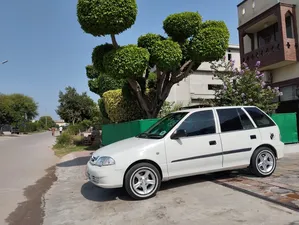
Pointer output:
x,y
261,119
233,120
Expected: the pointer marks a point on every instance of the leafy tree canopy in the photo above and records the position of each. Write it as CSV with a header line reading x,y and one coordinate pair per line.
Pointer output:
x,y
46,122
181,26
74,107
167,55
98,56
103,83
17,108
103,17
129,61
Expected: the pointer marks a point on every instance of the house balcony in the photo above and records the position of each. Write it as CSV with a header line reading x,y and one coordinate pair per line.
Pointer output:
x,y
272,56
271,38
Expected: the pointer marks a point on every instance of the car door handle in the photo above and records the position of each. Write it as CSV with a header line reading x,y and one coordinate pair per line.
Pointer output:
x,y
213,142
252,136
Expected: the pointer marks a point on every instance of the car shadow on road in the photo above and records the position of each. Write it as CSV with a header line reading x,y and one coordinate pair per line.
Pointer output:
x,y
97,194
94,193
80,161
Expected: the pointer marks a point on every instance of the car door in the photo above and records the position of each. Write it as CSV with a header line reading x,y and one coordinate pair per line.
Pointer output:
x,y
199,151
238,136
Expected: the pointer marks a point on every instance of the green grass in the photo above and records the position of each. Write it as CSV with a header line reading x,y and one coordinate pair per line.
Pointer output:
x,y
61,150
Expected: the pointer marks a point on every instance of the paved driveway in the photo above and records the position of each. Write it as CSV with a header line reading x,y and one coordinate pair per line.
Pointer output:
x,y
23,161
72,200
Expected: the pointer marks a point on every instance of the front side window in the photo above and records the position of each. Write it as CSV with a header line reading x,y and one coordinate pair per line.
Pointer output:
x,y
163,126
234,119
261,119
199,123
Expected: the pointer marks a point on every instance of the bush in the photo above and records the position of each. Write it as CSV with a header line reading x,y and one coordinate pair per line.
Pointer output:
x,y
244,87
75,129
77,140
120,109
64,139
30,127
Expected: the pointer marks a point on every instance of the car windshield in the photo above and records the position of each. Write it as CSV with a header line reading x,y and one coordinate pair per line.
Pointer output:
x,y
163,126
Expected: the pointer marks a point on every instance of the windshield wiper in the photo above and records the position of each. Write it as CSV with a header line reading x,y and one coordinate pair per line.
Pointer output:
x,y
143,135
154,136
147,135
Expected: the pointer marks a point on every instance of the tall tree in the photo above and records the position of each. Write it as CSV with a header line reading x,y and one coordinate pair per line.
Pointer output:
x,y
16,108
189,43
46,122
74,107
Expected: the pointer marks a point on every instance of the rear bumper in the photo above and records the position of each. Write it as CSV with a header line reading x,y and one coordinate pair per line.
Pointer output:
x,y
280,150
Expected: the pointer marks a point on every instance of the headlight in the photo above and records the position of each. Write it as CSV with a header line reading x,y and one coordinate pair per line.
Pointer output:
x,y
105,161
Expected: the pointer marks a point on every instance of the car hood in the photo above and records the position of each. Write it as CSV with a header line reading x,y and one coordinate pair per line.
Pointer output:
x,y
127,145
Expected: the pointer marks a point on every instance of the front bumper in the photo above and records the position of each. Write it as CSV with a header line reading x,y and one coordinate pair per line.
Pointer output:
x,y
106,176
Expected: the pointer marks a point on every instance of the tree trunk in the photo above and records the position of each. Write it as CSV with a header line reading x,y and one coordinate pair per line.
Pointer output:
x,y
140,98
165,81
114,42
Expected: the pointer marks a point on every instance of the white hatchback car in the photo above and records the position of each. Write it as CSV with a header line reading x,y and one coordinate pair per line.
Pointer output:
x,y
187,143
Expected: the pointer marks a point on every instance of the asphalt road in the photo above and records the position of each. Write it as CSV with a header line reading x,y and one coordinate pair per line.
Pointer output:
x,y
23,161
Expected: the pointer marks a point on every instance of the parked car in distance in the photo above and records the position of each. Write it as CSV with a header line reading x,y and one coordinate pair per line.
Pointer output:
x,y
187,143
15,130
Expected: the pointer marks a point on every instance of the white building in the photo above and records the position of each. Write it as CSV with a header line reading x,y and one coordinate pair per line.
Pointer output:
x,y
200,84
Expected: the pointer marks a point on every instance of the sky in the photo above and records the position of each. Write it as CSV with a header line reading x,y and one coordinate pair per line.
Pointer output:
x,y
47,50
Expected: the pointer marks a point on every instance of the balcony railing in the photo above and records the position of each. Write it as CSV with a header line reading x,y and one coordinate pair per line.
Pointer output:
x,y
267,55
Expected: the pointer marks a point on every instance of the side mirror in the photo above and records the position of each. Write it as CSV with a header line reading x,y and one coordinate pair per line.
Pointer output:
x,y
179,134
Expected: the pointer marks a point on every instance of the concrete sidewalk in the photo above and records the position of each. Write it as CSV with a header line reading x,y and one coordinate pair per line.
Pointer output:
x,y
200,199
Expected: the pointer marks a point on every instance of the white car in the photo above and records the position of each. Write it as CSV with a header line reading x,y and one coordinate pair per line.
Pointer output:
x,y
187,143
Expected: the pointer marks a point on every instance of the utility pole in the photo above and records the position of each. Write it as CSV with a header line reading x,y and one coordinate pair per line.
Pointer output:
x,y
46,119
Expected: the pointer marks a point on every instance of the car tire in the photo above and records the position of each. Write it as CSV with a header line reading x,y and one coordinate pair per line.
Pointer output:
x,y
263,162
142,181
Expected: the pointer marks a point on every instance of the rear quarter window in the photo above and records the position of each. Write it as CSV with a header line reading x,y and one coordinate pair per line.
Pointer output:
x,y
260,119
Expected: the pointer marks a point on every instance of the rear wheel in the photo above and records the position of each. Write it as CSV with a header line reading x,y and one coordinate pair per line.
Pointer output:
x,y
263,162
142,181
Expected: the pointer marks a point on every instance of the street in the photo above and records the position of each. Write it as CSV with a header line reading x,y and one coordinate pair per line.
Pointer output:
x,y
33,191
24,160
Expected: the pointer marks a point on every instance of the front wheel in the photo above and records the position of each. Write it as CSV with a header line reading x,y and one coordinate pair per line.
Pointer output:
x,y
263,162
142,181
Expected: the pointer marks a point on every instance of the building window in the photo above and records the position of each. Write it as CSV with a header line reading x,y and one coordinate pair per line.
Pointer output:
x,y
289,93
289,26
229,56
214,87
268,35
243,11
253,4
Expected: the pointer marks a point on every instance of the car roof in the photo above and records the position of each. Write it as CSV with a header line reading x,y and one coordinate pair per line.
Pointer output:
x,y
211,108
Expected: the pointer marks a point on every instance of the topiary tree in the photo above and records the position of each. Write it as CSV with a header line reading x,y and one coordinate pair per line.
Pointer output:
x,y
244,87
189,43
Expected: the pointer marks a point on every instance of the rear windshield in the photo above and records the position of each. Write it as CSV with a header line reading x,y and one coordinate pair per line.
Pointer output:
x,y
261,119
